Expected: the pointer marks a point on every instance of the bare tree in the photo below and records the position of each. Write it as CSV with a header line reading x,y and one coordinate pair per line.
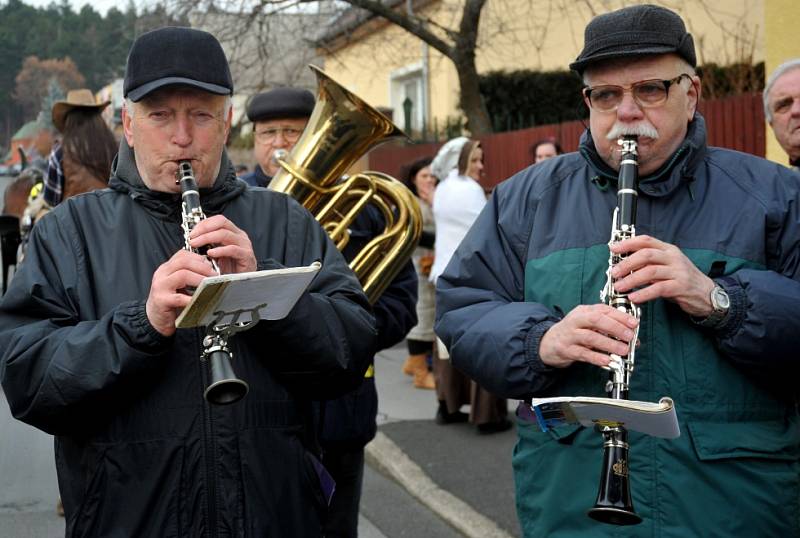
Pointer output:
x,y
32,82
250,30
458,44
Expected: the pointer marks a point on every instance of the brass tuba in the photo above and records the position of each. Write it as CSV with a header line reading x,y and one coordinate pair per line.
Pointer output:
x,y
342,128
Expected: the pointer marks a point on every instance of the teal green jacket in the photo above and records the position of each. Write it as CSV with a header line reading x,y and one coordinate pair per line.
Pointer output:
x,y
540,248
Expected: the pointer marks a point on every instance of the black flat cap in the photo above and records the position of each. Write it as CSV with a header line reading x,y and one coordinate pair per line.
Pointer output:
x,y
635,31
176,56
281,103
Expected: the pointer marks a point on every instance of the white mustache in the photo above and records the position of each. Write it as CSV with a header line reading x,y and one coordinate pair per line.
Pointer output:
x,y
642,128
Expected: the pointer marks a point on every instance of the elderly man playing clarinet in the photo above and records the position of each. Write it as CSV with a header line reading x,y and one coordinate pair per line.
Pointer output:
x,y
91,354
714,267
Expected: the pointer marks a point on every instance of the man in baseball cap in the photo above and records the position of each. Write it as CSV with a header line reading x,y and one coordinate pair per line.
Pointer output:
x,y
279,117
90,348
712,265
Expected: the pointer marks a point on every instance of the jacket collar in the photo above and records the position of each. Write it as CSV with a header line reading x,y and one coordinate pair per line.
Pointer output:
x,y
125,178
679,168
261,179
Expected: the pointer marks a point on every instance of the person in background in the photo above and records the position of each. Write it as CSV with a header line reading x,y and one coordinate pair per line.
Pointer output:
x,y
420,340
81,162
545,149
343,425
241,170
782,108
90,352
713,266
279,117
457,202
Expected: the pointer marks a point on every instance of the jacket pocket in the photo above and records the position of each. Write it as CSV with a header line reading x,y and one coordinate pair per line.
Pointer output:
x,y
774,440
745,480
135,490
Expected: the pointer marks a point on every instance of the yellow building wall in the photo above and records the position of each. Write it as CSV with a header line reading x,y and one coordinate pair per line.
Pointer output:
x,y
532,34
781,25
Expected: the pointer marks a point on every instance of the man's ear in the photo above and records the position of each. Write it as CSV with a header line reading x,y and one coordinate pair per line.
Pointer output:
x,y
228,123
693,96
127,127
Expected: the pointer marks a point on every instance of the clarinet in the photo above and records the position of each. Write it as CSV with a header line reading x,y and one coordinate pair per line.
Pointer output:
x,y
224,387
614,504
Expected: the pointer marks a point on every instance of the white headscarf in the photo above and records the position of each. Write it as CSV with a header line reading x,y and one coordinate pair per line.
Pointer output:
x,y
447,158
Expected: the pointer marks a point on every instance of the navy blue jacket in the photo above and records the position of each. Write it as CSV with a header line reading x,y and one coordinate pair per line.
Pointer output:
x,y
350,420
539,249
256,178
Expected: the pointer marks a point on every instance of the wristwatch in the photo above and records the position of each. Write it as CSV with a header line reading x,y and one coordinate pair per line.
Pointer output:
x,y
720,303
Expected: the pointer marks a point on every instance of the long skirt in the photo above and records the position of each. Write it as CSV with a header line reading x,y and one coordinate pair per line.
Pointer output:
x,y
456,389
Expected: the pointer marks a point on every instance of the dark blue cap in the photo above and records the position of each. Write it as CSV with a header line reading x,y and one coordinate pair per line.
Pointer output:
x,y
176,56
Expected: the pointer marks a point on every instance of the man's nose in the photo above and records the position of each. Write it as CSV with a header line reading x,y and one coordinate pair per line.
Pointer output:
x,y
182,135
280,140
795,110
628,109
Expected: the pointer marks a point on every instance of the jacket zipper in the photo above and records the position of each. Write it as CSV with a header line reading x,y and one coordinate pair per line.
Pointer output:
x,y
209,450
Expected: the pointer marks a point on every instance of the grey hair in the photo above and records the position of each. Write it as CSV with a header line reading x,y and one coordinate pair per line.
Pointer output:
x,y
129,105
781,70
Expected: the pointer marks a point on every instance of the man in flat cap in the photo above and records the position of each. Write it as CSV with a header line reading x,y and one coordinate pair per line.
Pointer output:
x,y
346,424
782,108
712,265
279,117
91,354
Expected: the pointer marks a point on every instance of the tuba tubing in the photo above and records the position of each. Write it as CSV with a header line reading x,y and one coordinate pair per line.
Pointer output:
x,y
342,128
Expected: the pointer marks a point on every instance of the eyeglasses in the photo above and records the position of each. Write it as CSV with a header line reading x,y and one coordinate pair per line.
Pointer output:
x,y
290,134
646,93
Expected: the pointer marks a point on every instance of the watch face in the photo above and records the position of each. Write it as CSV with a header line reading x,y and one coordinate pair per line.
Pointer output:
x,y
720,299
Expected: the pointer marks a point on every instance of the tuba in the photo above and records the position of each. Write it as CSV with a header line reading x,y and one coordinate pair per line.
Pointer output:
x,y
614,504
342,128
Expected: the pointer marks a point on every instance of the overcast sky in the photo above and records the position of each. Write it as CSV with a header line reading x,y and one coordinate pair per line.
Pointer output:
x,y
101,6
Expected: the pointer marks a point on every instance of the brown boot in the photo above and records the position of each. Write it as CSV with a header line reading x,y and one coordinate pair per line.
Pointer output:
x,y
59,508
424,380
414,364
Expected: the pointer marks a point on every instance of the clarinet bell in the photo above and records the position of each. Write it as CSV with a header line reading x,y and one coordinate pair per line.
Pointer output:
x,y
614,504
225,388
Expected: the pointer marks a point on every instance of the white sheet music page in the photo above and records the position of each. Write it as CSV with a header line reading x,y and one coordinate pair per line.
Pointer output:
x,y
272,293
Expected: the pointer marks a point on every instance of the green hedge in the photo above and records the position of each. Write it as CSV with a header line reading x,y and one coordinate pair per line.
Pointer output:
x,y
524,98
519,99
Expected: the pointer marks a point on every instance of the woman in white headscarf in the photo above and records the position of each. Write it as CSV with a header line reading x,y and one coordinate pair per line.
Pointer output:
x,y
457,202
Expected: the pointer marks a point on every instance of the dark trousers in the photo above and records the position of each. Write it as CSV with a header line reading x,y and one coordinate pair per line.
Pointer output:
x,y
347,468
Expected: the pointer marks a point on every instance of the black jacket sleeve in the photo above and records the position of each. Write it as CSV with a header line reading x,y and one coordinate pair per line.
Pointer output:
x,y
325,344
59,372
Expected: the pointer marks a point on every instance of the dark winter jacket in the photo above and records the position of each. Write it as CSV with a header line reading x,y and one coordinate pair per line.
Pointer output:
x,y
138,451
257,178
349,422
540,249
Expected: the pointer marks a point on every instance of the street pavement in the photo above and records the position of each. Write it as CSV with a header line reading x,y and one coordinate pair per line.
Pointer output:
x,y
463,477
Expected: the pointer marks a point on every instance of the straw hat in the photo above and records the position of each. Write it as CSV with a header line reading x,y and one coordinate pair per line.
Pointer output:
x,y
82,98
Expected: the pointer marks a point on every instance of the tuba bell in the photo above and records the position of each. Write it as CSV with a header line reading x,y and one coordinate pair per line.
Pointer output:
x,y
342,128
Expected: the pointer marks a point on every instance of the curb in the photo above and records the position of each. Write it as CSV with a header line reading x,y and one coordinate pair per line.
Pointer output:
x,y
388,458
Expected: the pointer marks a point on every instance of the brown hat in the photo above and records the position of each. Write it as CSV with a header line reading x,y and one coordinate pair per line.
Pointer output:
x,y
82,98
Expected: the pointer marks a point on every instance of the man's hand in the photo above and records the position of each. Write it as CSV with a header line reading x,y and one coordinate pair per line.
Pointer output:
x,y
228,245
661,270
166,300
589,333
